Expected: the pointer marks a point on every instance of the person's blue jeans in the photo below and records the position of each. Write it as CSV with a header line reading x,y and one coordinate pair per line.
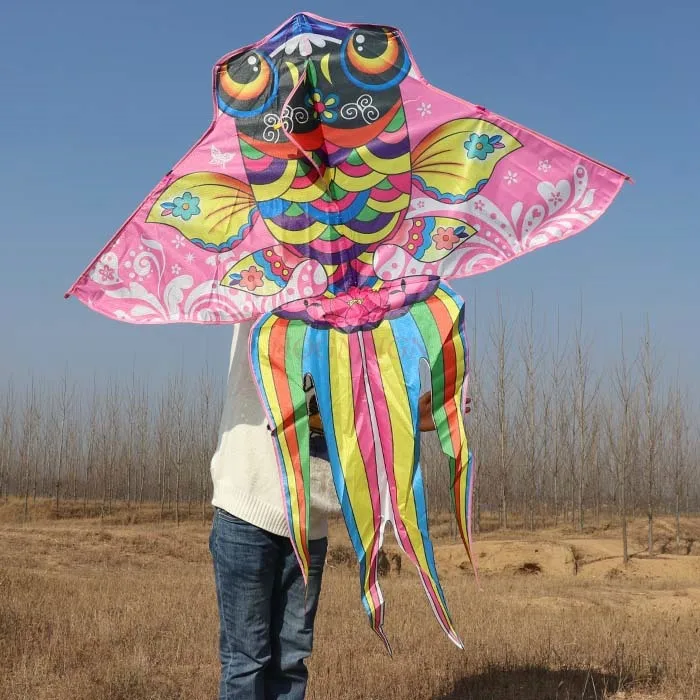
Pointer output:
x,y
266,614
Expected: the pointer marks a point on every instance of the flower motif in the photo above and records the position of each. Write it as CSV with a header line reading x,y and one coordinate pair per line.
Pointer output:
x,y
176,269
544,166
178,241
479,205
358,307
424,109
511,178
304,43
184,207
106,273
481,145
323,108
555,198
189,257
445,238
251,279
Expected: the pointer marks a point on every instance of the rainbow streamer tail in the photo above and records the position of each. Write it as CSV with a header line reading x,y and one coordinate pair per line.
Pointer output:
x,y
368,388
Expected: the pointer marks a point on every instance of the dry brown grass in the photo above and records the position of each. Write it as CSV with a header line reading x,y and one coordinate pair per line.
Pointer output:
x,y
99,609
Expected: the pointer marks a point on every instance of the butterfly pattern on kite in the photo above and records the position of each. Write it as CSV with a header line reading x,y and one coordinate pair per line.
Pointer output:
x,y
345,190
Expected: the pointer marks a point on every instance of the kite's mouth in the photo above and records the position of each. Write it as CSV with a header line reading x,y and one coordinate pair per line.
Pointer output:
x,y
305,44
305,34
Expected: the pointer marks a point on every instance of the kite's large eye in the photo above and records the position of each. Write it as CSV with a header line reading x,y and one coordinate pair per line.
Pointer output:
x,y
247,84
374,58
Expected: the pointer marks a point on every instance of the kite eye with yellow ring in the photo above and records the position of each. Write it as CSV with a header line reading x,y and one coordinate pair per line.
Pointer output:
x,y
374,58
247,84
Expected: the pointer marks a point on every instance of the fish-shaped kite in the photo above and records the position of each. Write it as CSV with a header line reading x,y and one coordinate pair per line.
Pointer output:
x,y
332,196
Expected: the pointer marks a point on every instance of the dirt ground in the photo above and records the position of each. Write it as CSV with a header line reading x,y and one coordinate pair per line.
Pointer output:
x,y
123,607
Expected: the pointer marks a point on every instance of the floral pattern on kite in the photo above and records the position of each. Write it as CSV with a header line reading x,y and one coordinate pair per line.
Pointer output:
x,y
331,196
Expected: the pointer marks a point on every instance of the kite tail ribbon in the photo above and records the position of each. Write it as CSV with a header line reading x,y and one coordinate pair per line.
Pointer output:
x,y
276,363
368,388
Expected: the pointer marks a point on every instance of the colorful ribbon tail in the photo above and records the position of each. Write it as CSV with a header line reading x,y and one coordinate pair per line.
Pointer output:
x,y
276,360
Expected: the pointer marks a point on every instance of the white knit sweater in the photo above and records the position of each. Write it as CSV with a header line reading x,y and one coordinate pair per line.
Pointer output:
x,y
244,467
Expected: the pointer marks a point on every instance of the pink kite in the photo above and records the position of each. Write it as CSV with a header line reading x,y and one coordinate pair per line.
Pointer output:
x,y
332,196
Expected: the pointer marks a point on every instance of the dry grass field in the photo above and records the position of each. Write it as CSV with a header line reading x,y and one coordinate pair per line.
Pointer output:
x,y
123,608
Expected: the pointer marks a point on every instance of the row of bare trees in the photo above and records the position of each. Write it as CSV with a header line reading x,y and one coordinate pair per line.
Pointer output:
x,y
114,441
556,440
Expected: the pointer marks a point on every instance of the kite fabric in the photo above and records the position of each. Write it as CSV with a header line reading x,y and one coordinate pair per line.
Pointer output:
x,y
332,196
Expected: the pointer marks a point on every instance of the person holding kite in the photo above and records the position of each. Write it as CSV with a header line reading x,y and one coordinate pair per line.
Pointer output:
x,y
266,612
331,199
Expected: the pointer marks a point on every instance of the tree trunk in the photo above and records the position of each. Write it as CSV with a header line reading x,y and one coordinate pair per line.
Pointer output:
x,y
678,520
60,463
623,507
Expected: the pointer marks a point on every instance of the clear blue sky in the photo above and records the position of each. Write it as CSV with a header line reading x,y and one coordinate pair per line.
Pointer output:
x,y
99,99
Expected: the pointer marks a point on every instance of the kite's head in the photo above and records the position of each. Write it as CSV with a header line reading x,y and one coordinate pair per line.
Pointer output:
x,y
313,73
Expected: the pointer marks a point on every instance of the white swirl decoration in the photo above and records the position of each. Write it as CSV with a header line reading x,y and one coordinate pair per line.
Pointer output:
x,y
146,259
364,108
299,115
209,303
274,123
142,263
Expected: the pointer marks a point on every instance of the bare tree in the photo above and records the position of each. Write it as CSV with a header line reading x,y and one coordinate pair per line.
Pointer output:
x,y
163,446
502,382
623,436
66,397
477,423
595,460
74,448
650,372
110,440
178,427
559,416
678,452
585,392
30,429
140,416
7,436
546,423
530,357
91,456
131,433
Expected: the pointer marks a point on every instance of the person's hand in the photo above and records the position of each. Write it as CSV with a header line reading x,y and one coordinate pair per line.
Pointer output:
x,y
425,411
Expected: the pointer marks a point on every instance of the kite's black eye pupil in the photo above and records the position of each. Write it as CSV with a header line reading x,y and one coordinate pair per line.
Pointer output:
x,y
375,56
246,84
